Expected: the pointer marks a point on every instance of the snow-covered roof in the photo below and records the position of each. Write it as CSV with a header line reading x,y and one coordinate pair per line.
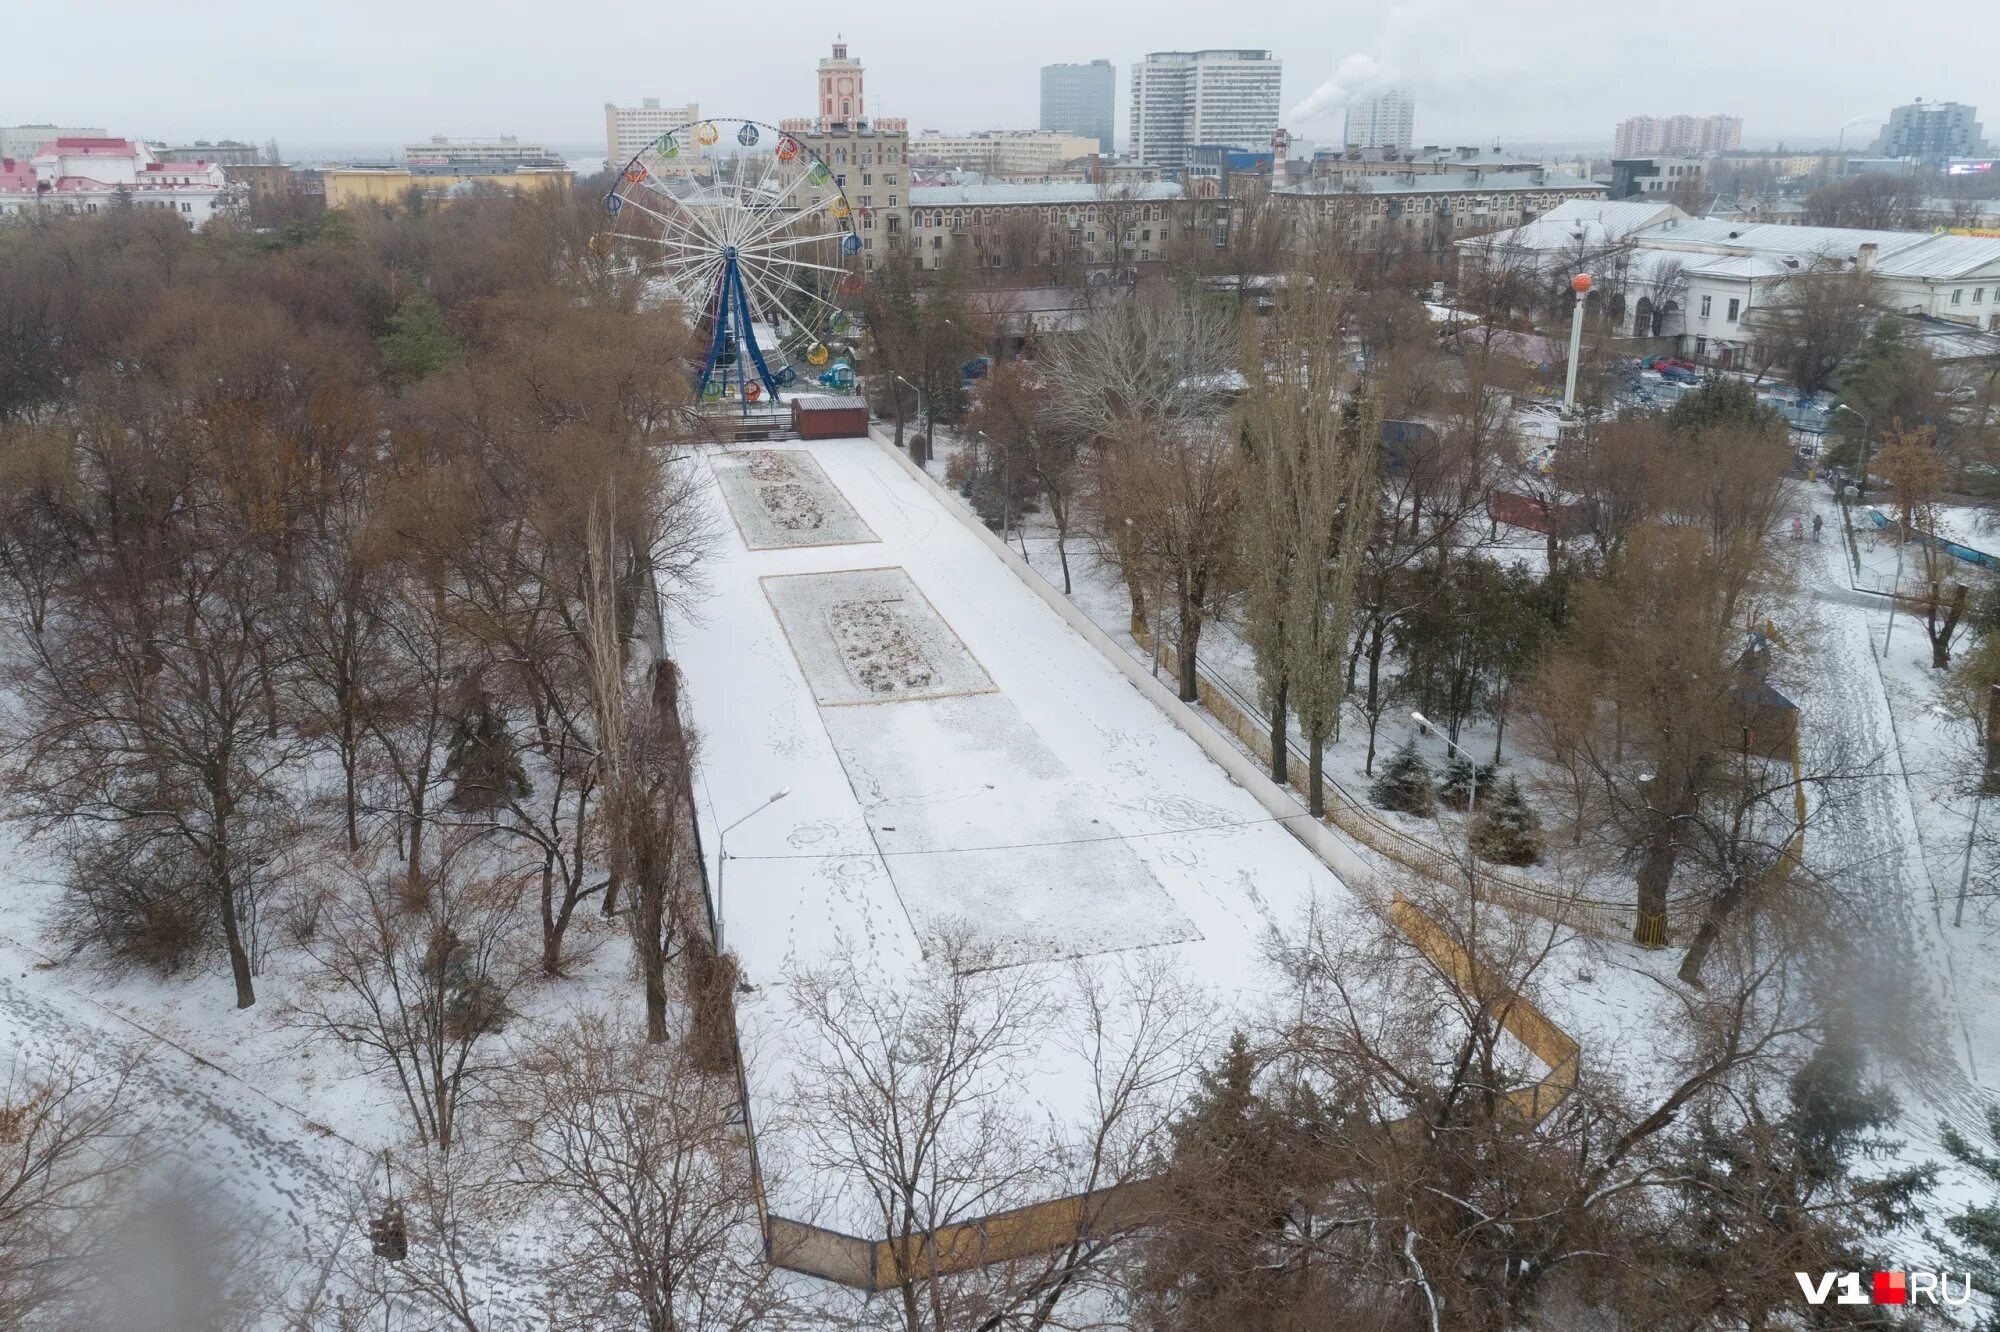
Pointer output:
x,y
1726,236
1946,257
1449,182
1587,224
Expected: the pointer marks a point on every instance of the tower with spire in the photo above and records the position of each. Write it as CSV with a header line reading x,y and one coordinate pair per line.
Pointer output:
x,y
840,79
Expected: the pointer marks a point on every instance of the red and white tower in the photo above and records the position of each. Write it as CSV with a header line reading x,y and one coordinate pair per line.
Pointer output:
x,y
840,79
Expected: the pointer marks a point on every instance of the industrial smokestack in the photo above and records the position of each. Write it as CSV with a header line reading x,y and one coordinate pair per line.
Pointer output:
x,y
1280,141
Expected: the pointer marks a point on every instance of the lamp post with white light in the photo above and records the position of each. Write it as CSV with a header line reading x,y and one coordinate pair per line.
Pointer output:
x,y
722,855
1867,445
1473,779
921,412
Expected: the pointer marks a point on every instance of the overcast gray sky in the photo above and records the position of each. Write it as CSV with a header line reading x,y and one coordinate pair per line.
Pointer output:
x,y
388,70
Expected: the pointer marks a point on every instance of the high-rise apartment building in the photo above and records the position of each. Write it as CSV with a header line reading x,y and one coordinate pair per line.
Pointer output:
x,y
1387,120
1931,132
1081,100
1681,135
627,129
1184,98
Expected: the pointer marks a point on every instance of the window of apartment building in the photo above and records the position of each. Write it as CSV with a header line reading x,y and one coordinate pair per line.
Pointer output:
x,y
840,180
1735,305
888,178
895,223
867,200
1956,292
1978,295
1701,344
867,178
937,242
1706,301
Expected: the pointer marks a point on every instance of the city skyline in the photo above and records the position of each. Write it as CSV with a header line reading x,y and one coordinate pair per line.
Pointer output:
x,y
368,73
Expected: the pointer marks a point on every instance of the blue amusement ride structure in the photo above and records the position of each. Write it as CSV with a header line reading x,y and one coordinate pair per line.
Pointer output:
x,y
749,231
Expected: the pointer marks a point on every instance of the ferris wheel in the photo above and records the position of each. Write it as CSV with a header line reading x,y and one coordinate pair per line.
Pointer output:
x,y
749,231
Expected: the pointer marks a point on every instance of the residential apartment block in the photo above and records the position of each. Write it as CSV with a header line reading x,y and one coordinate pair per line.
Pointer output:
x,y
1682,135
1387,120
1184,98
627,129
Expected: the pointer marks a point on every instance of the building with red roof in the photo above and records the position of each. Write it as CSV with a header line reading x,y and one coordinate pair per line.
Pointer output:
x,y
82,175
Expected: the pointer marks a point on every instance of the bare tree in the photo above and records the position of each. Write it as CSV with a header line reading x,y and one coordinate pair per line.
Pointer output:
x,y
1165,497
1309,501
419,993
1812,321
907,1091
146,727
635,1151
71,1140
1916,475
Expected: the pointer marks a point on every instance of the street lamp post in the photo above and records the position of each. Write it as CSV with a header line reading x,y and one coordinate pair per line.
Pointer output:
x,y
922,412
1867,444
1580,284
722,855
1472,779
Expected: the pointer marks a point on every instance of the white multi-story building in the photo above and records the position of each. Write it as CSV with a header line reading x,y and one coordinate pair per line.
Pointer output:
x,y
1180,99
503,151
1711,275
94,175
1002,152
627,129
1387,120
22,142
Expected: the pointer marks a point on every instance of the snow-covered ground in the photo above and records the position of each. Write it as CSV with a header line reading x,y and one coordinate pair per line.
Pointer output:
x,y
904,814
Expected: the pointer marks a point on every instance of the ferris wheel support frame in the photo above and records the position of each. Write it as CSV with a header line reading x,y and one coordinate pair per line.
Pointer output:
x,y
732,308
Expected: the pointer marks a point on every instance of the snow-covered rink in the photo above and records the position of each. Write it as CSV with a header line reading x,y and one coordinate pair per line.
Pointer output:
x,y
1059,814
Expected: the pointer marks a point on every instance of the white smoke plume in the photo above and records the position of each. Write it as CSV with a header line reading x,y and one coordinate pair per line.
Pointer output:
x,y
1356,77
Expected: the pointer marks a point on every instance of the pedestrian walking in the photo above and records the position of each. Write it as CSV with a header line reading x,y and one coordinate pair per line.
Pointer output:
x,y
1817,520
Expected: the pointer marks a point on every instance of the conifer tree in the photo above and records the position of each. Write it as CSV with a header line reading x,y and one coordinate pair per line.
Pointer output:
x,y
1504,830
484,767
1462,780
1973,1242
1405,784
